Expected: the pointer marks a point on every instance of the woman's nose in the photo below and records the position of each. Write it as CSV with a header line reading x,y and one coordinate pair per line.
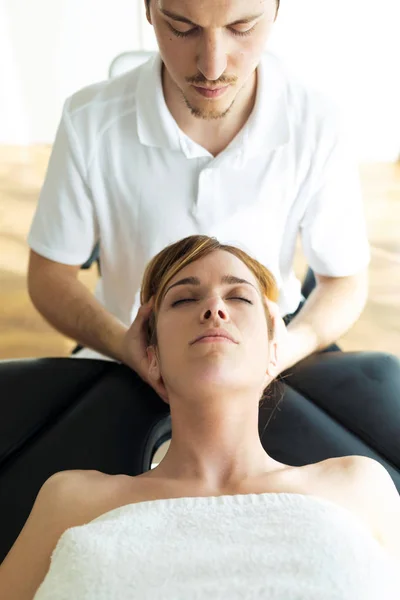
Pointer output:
x,y
215,309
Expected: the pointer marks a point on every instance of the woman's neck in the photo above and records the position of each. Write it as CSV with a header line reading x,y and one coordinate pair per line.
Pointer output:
x,y
216,446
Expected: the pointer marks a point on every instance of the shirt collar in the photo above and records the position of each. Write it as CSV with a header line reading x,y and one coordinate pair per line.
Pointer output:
x,y
155,124
266,129
268,125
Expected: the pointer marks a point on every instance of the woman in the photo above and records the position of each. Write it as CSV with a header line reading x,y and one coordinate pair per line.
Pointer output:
x,y
218,517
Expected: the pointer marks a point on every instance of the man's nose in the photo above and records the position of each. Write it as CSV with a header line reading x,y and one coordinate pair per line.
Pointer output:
x,y
215,309
212,60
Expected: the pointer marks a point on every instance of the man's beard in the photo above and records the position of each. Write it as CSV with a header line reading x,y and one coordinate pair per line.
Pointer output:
x,y
209,114
206,114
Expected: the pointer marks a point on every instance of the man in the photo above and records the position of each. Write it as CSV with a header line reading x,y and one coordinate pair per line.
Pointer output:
x,y
208,137
204,140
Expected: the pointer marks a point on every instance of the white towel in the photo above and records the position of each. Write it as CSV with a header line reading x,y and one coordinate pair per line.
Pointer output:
x,y
277,546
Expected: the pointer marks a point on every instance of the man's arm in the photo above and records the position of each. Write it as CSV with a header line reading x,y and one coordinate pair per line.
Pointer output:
x,y
68,305
329,312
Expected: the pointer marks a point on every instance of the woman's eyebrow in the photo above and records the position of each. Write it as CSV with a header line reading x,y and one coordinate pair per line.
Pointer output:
x,y
229,279
185,281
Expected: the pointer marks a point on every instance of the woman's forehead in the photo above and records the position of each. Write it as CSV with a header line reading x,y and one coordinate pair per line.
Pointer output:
x,y
216,266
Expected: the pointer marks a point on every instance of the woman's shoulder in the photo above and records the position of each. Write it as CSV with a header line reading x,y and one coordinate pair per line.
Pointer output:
x,y
363,486
73,483
347,478
79,496
66,499
353,473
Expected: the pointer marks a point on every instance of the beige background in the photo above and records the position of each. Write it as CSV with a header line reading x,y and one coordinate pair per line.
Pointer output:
x,y
23,332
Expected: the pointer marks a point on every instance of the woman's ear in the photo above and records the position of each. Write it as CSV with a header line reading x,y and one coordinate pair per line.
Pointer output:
x,y
279,342
155,378
154,368
272,368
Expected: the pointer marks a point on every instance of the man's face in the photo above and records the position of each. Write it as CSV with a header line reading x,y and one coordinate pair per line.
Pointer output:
x,y
211,48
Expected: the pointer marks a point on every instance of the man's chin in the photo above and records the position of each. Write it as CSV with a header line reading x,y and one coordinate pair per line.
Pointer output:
x,y
209,109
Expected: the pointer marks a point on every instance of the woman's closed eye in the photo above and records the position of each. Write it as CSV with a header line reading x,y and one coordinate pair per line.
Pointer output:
x,y
185,300
242,299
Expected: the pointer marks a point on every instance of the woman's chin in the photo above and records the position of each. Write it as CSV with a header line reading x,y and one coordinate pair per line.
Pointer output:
x,y
214,377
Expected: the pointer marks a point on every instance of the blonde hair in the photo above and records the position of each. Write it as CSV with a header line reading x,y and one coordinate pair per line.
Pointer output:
x,y
167,263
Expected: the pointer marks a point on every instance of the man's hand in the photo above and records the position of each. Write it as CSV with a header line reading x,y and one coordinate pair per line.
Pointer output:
x,y
134,348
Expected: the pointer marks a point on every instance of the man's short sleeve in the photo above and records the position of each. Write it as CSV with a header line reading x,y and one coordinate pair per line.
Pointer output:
x,y
333,229
64,226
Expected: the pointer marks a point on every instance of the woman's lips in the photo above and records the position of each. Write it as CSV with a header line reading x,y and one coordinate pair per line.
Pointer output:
x,y
215,334
214,338
207,93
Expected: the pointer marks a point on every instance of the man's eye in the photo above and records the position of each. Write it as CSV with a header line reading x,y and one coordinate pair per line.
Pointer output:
x,y
243,33
182,33
177,302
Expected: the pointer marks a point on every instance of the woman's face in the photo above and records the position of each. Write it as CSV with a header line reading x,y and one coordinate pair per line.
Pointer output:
x,y
215,295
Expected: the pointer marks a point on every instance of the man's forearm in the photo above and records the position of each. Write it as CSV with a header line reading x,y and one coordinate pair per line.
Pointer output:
x,y
68,305
330,311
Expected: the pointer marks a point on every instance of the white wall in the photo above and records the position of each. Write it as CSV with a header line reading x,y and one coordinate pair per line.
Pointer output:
x,y
49,49
347,48
350,49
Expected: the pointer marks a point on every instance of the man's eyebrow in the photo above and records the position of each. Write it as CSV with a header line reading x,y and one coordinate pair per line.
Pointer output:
x,y
229,279
246,19
182,19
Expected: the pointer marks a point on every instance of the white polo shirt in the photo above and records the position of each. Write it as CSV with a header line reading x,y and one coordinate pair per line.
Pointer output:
x,y
122,172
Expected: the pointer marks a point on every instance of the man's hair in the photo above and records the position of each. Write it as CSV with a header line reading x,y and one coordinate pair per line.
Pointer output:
x,y
167,263
277,4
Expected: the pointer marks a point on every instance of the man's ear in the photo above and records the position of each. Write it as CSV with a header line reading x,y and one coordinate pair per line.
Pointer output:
x,y
155,377
148,15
